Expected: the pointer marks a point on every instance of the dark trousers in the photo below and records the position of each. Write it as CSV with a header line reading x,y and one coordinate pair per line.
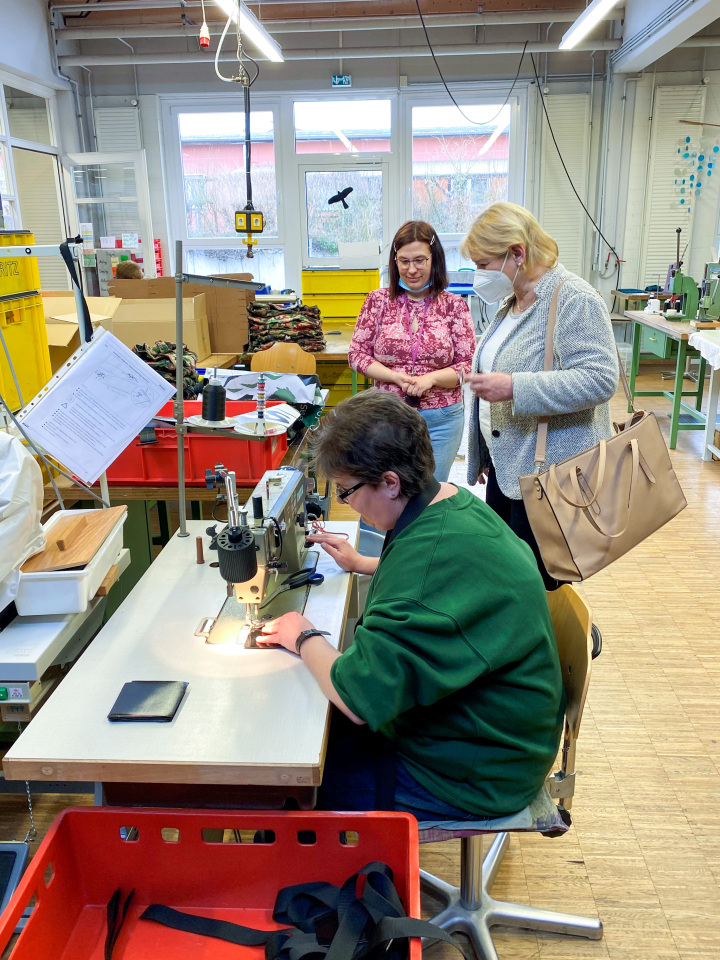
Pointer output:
x,y
515,516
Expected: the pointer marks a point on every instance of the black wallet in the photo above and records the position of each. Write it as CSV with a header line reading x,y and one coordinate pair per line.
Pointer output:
x,y
155,700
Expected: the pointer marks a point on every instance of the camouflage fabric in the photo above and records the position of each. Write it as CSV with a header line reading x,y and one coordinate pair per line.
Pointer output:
x,y
161,357
269,324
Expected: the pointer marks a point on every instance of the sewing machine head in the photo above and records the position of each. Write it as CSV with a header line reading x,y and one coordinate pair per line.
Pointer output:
x,y
253,550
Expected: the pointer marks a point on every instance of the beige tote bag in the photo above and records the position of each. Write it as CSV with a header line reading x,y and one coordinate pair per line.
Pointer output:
x,y
592,508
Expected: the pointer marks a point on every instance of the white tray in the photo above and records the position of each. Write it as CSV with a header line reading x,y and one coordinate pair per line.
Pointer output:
x,y
68,591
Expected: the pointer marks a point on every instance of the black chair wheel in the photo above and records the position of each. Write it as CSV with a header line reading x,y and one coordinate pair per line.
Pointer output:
x,y
596,640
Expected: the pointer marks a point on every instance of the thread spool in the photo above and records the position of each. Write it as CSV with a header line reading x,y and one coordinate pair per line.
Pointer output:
x,y
213,401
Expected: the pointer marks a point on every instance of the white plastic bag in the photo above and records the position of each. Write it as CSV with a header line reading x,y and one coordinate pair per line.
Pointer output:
x,y
21,499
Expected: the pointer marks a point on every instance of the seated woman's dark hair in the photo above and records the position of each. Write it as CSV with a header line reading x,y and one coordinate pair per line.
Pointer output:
x,y
371,433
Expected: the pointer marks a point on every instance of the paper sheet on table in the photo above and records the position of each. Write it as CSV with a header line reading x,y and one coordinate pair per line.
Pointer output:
x,y
278,386
97,407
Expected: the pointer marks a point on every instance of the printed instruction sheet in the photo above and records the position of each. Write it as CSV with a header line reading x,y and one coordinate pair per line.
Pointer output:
x,y
97,407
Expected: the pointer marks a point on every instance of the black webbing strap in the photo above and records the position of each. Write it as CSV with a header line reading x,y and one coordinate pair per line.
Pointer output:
x,y
334,923
70,264
115,920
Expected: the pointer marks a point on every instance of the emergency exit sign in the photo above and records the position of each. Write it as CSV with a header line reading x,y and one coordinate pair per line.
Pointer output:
x,y
341,80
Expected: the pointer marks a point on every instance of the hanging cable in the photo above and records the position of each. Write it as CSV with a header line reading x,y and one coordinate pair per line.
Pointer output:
x,y
478,123
567,174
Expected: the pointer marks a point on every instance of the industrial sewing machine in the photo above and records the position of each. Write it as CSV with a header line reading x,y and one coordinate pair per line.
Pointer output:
x,y
709,306
253,551
683,288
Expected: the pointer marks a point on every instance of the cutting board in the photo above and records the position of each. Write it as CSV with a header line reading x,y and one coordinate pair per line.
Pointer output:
x,y
73,541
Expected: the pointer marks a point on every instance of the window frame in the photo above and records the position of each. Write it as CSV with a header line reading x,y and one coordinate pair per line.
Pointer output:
x,y
171,107
468,95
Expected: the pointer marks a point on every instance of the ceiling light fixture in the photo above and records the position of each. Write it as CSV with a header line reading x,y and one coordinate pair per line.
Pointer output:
x,y
589,18
252,29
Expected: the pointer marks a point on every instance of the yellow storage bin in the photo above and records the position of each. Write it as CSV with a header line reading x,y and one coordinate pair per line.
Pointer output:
x,y
339,281
19,274
338,308
22,322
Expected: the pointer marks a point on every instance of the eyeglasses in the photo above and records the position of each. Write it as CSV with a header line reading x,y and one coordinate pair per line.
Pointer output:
x,y
342,495
418,262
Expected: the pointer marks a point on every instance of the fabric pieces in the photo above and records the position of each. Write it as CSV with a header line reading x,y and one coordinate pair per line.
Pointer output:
x,y
270,324
162,358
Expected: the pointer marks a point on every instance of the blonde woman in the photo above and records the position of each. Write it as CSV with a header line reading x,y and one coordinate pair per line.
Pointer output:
x,y
517,263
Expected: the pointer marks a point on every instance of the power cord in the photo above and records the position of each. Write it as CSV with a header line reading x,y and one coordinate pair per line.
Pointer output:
x,y
567,174
478,123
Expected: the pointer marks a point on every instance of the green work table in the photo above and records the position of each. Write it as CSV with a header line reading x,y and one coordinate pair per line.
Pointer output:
x,y
668,340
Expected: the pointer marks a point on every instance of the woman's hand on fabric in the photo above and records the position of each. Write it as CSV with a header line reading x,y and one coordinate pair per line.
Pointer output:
x,y
482,476
419,386
345,556
284,631
492,387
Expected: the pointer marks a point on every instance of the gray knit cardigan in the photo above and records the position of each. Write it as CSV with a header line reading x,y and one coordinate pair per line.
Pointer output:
x,y
575,394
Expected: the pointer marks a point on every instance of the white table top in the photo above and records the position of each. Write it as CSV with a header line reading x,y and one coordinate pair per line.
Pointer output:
x,y
707,343
248,716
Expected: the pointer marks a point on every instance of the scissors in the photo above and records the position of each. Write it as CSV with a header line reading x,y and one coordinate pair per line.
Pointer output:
x,y
301,579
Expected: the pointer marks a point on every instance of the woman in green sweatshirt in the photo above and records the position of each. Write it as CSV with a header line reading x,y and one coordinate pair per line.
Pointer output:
x,y
452,684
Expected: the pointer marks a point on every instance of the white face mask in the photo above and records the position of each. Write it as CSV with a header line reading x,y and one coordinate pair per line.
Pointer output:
x,y
493,285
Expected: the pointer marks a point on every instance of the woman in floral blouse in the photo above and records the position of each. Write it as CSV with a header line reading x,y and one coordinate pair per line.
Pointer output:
x,y
417,340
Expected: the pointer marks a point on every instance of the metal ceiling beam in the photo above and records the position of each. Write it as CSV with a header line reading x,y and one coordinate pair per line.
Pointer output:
x,y
130,31
346,53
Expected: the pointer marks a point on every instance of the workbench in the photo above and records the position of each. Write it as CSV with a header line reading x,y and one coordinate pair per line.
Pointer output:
x,y
251,729
655,334
707,343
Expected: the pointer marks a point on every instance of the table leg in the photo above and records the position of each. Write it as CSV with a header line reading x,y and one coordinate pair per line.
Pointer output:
x,y
711,417
353,380
700,383
635,362
677,395
195,510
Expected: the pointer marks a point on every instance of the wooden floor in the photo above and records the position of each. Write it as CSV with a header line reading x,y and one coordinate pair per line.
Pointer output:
x,y
644,851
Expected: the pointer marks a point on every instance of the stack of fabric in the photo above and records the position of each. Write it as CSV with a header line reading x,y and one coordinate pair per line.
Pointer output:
x,y
161,357
269,324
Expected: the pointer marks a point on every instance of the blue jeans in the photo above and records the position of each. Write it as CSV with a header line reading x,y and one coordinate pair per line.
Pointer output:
x,y
445,426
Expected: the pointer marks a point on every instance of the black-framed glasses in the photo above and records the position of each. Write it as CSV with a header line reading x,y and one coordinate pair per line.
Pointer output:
x,y
342,495
418,262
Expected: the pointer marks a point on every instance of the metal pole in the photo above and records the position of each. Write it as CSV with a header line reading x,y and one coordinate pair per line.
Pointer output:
x,y
178,407
75,254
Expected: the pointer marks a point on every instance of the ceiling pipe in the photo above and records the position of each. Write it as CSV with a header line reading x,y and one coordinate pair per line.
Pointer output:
x,y
347,53
145,5
322,25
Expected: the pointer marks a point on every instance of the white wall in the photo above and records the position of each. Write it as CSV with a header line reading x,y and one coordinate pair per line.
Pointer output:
x,y
25,49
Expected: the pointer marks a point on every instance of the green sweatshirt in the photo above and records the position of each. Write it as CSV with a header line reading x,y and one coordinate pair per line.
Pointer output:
x,y
456,659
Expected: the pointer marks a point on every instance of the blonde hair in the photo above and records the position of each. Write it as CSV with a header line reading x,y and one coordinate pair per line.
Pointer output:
x,y
500,227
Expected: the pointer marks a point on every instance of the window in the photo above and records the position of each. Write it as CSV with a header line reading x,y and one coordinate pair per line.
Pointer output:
x,y
458,167
213,166
267,264
342,207
27,116
342,126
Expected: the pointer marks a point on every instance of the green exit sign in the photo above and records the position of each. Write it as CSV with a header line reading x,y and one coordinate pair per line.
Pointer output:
x,y
341,80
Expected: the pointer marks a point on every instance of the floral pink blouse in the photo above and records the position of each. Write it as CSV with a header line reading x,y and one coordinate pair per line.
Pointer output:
x,y
446,339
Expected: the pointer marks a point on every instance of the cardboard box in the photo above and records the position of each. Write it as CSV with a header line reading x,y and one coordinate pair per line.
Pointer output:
x,y
145,321
62,326
226,308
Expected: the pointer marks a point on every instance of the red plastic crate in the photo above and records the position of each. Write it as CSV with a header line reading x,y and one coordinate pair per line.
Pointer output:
x,y
155,464
83,859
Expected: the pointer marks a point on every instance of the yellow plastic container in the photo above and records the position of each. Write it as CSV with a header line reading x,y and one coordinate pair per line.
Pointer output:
x,y
22,322
344,307
18,274
339,281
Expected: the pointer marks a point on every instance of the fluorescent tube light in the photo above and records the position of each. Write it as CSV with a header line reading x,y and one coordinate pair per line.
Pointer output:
x,y
252,29
588,19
